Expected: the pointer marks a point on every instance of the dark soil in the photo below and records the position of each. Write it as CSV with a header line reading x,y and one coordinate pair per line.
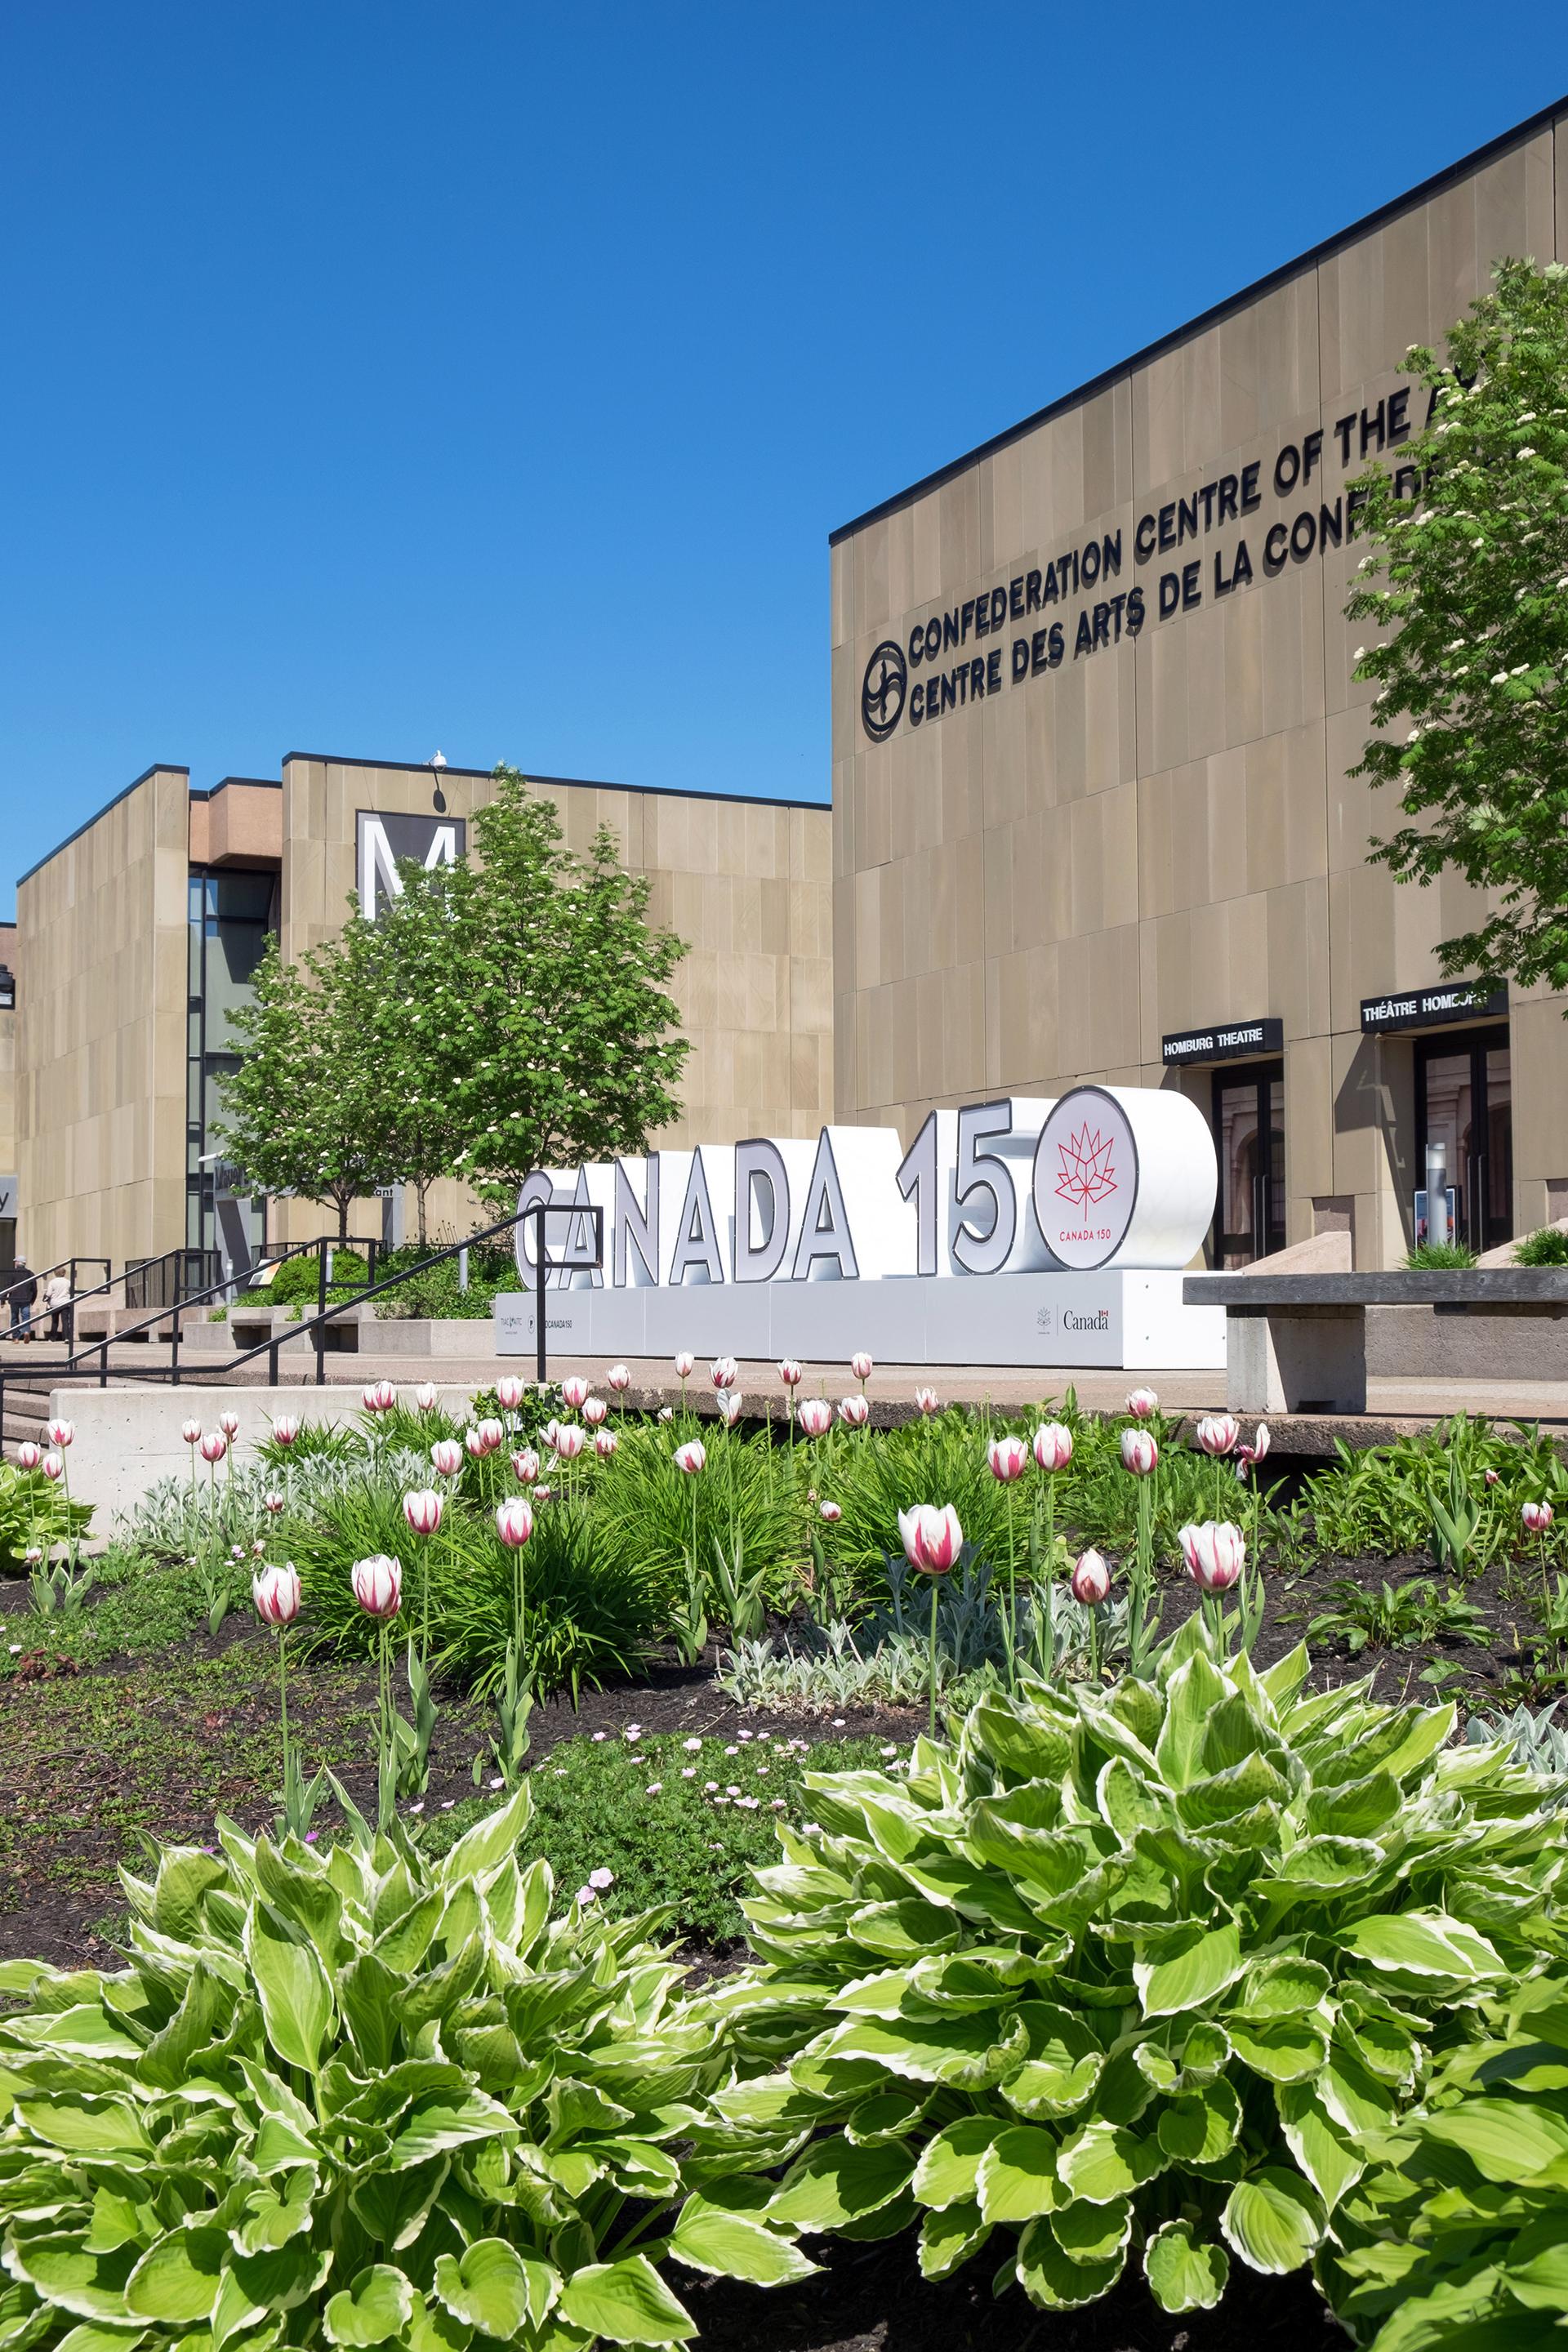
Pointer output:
x,y
873,2299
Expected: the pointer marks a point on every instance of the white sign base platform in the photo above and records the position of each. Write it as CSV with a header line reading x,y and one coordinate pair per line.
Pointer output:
x,y
1115,1318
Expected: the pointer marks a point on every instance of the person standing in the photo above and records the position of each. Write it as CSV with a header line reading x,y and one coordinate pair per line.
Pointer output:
x,y
57,1300
22,1291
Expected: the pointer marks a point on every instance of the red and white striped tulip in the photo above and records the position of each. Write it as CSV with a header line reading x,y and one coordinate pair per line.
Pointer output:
x,y
446,1457
685,1363
284,1429
215,1445
854,1411
427,1396
1143,1404
1217,1434
790,1372
618,1379
60,1433
29,1455
190,1430
831,1511
514,1521
691,1457
1140,1454
862,1365
1053,1445
723,1371
574,1389
509,1392
53,1466
1009,1458
491,1437
422,1508
1215,1553
272,1502
377,1584
568,1441
276,1592
605,1443
229,1425
1091,1581
816,1416
1537,1517
525,1466
927,1403
932,1537
379,1397
595,1410
728,1406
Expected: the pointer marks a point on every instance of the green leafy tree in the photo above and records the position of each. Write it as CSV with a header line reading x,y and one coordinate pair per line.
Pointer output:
x,y
412,942
1470,582
307,1111
560,1040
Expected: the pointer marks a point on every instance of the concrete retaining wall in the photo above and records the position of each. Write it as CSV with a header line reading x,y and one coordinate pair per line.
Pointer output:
x,y
1427,1343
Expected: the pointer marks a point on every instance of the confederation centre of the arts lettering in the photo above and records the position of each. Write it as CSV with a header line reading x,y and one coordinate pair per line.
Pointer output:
x,y
1012,1232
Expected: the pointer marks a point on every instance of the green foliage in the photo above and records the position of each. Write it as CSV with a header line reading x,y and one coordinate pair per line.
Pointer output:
x,y
1395,1617
1127,1973
746,1498
1438,1257
1380,1500
346,2095
1454,2235
33,1510
689,1847
435,1293
1535,1737
1547,1247
299,1278
1475,622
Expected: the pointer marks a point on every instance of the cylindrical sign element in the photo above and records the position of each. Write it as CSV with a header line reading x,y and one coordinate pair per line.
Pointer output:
x,y
1124,1176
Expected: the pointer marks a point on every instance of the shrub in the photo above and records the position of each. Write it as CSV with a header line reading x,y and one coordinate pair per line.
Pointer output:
x,y
1125,1973
1547,1247
299,1277
346,2095
33,1510
1439,1257
1454,2234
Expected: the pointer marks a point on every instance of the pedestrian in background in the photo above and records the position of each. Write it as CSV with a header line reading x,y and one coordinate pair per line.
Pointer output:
x,y
57,1300
22,1290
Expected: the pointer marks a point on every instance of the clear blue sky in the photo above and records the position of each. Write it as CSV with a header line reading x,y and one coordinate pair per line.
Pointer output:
x,y
382,377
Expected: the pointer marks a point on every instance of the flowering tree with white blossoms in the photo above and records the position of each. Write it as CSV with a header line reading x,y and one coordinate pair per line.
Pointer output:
x,y
1469,580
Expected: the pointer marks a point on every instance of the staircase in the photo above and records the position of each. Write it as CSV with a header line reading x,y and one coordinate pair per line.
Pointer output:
x,y
26,1410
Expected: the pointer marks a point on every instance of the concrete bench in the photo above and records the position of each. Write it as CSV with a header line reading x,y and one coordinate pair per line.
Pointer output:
x,y
1296,1342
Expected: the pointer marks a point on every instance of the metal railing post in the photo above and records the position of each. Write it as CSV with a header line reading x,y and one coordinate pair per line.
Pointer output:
x,y
272,1365
539,1300
174,1350
320,1310
103,1363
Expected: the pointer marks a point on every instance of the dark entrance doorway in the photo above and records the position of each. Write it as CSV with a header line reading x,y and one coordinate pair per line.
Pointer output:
x,y
1464,1100
1249,1138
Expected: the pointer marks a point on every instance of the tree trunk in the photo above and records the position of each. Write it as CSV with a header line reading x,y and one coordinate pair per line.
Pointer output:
x,y
345,1201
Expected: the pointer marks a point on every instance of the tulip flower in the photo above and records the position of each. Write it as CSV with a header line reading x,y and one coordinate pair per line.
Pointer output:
x,y
691,1457
723,1371
1140,1454
549,1430
862,1366
427,1396
60,1433
29,1455
229,1425
1091,1580
1216,1554
1053,1445
284,1429
422,1508
618,1378
446,1457
790,1372
574,1391
509,1392
514,1521
568,1440
1009,1458
215,1445
816,1416
491,1437
276,1592
854,1411
605,1443
1217,1433
1494,1477
667,1412
1142,1403
190,1430
595,1410
932,1537
377,1584
379,1397
729,1406
927,1402
525,1466
53,1466
1537,1517
831,1511
685,1364
272,1502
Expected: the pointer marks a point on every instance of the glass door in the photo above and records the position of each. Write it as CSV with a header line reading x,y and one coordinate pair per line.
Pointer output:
x,y
1249,1138
1464,1100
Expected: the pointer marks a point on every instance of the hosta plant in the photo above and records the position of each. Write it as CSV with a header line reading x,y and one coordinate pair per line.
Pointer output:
x,y
1457,2233
1122,1976
345,2097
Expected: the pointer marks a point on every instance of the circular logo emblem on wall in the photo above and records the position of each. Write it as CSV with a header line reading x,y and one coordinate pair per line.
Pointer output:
x,y
1086,1178
882,691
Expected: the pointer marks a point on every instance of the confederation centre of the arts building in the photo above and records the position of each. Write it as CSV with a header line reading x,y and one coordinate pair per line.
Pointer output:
x,y
1093,720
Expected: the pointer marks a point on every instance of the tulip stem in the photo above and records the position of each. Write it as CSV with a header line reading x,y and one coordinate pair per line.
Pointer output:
x,y
283,1710
933,1600
1012,1601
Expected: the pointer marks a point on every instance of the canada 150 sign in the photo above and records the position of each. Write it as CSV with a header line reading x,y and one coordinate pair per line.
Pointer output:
x,y
1104,1176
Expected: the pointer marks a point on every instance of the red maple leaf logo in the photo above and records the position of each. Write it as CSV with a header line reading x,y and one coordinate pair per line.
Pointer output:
x,y
1086,1174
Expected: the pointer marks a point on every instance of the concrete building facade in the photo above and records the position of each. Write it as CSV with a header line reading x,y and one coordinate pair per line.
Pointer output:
x,y
1093,720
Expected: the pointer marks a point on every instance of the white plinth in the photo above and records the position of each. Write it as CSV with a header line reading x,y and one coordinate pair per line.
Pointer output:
x,y
1113,1320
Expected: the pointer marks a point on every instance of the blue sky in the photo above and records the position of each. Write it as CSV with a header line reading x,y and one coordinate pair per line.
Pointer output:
x,y
382,377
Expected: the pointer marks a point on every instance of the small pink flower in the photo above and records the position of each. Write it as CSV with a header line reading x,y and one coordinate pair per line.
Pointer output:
x,y
422,1508
573,1392
377,1584
1217,1434
1140,1454
932,1537
832,1511
595,1410
586,1895
855,1412
816,1416
1142,1403
447,1456
618,1378
691,1457
600,1879
790,1372
1091,1580
1009,1458
509,1392
276,1592
1215,1553
653,1788
514,1522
